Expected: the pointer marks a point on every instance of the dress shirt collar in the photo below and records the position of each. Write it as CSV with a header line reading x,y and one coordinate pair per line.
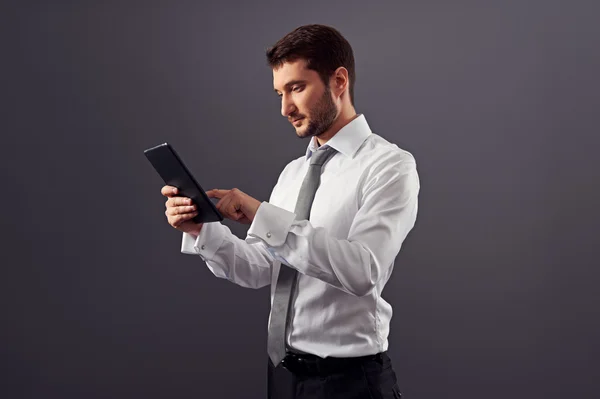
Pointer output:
x,y
347,140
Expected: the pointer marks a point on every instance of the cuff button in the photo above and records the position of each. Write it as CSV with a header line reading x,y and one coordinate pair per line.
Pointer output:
x,y
268,234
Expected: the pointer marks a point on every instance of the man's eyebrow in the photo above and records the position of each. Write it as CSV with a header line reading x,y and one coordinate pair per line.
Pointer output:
x,y
292,83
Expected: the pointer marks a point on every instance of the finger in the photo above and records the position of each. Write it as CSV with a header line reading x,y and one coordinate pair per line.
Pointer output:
x,y
177,220
223,204
169,191
238,216
220,203
178,210
216,193
233,208
178,201
230,207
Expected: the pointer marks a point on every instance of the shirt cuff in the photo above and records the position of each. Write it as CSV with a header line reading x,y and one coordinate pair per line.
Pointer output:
x,y
187,243
271,225
207,243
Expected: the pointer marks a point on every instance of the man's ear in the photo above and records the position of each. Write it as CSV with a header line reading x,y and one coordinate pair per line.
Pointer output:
x,y
339,81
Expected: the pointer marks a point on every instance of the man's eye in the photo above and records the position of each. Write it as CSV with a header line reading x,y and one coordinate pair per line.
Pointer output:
x,y
297,88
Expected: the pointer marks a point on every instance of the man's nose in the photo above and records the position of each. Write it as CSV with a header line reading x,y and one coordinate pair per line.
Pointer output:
x,y
287,106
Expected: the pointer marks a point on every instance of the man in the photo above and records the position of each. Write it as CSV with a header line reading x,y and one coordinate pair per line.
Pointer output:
x,y
327,238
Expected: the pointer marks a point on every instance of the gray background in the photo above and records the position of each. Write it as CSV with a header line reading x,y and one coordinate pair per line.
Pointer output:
x,y
495,291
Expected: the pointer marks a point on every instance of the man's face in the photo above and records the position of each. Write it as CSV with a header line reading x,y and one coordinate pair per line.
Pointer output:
x,y
305,101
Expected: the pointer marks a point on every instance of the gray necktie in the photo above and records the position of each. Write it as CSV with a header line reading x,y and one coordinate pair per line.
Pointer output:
x,y
286,281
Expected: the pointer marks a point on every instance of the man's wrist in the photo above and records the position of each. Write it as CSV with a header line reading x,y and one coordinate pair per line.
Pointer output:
x,y
195,232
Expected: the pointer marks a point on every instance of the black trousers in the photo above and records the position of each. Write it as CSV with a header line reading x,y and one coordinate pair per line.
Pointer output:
x,y
371,378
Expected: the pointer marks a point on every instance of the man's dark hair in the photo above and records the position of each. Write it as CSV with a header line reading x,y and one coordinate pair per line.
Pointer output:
x,y
323,47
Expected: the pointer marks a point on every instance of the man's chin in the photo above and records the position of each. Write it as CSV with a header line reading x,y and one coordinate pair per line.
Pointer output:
x,y
302,133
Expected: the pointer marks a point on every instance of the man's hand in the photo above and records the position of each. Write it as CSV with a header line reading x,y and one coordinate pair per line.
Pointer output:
x,y
235,204
180,211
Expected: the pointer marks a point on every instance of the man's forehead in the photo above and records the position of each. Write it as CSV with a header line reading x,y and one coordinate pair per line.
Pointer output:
x,y
289,71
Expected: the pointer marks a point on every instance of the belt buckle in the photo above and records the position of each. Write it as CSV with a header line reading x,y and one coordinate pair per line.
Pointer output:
x,y
289,361
301,365
298,365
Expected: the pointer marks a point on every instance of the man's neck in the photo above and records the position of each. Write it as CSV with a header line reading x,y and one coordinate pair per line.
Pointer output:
x,y
342,120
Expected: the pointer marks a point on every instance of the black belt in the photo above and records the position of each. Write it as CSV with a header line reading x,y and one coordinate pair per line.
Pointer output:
x,y
306,364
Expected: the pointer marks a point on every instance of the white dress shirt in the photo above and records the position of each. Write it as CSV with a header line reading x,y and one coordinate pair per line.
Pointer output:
x,y
363,210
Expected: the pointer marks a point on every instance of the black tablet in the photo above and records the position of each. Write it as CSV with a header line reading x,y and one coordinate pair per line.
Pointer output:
x,y
173,171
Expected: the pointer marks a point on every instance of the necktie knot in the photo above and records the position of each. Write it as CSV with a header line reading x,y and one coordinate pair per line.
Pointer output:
x,y
320,156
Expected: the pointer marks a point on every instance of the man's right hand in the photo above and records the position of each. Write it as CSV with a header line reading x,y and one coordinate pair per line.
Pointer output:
x,y
180,211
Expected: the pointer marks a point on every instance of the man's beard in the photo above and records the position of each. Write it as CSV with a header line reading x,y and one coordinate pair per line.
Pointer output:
x,y
323,114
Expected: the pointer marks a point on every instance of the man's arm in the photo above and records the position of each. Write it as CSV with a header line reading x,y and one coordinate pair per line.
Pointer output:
x,y
387,213
229,257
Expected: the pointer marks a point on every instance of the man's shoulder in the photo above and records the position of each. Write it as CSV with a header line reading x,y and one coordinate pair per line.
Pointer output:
x,y
378,149
383,161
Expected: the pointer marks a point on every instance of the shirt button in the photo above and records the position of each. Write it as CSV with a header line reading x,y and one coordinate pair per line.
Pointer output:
x,y
268,234
203,247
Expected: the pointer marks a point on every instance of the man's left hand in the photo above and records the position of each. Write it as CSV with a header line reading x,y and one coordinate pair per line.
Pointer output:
x,y
236,205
